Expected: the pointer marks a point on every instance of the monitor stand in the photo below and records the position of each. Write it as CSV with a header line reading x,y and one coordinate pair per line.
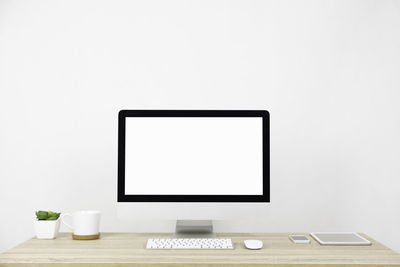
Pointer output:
x,y
194,229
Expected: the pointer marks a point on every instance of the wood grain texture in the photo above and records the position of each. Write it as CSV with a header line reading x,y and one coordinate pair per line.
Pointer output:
x,y
123,249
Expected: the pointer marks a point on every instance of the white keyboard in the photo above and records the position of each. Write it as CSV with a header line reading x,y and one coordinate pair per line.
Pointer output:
x,y
189,243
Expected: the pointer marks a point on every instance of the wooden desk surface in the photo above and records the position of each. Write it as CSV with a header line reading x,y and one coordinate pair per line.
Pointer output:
x,y
123,249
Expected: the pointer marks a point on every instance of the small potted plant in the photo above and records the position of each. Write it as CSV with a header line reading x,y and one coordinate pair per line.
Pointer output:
x,y
47,224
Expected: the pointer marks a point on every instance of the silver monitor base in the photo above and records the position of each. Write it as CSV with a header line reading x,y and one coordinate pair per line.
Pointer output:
x,y
194,229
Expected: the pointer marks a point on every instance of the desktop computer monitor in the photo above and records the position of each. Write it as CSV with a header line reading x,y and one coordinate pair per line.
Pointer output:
x,y
193,164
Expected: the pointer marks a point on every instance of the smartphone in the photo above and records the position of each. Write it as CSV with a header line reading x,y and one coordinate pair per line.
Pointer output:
x,y
299,239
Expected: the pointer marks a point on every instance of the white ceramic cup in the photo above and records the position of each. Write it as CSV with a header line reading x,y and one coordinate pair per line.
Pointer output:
x,y
84,222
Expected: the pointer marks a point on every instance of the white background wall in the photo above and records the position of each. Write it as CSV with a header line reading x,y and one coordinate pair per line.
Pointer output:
x,y
328,71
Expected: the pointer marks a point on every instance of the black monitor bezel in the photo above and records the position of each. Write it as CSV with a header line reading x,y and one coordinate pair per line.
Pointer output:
x,y
123,114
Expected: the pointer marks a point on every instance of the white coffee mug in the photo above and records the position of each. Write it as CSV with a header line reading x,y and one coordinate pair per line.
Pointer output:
x,y
84,222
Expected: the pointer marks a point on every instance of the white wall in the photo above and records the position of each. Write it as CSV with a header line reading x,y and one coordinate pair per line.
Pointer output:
x,y
328,72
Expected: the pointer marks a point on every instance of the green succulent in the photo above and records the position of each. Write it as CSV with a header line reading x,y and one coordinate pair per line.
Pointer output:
x,y
47,215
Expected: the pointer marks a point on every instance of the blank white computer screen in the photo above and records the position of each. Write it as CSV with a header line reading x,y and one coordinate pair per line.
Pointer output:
x,y
193,156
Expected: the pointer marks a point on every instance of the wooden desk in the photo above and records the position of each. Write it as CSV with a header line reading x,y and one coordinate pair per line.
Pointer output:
x,y
121,249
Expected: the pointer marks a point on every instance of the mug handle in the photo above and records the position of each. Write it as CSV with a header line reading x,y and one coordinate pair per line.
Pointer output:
x,y
63,220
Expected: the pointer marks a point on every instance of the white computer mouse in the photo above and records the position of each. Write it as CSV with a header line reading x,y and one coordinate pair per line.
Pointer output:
x,y
253,244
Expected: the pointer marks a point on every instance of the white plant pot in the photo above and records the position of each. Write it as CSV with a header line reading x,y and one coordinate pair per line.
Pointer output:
x,y
47,229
